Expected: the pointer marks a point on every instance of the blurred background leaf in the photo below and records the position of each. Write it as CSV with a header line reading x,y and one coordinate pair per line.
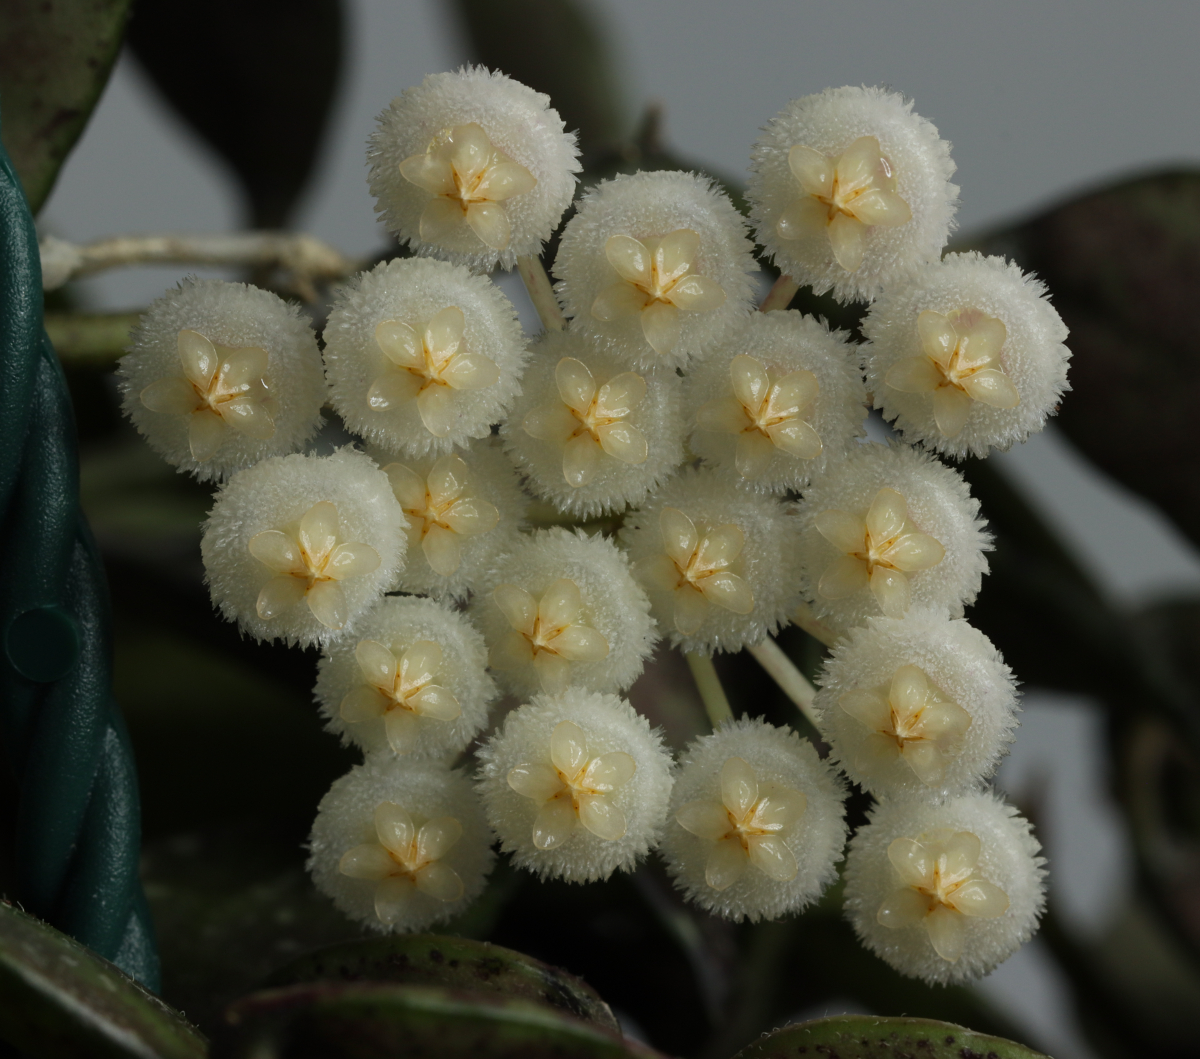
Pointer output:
x,y
255,79
55,59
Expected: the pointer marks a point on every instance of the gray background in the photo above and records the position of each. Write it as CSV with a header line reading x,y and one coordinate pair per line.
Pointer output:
x,y
1039,99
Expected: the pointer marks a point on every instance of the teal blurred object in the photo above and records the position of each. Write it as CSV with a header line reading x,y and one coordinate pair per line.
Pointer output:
x,y
78,819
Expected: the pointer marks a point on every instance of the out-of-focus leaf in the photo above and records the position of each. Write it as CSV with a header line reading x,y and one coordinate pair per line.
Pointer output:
x,y
230,905
365,1020
1123,268
255,78
61,1001
556,47
453,963
55,59
868,1037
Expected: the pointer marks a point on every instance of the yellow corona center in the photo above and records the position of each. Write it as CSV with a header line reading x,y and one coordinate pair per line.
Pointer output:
x,y
766,414
549,633
574,788
841,196
658,280
960,364
309,561
879,552
749,826
406,860
221,389
468,179
941,886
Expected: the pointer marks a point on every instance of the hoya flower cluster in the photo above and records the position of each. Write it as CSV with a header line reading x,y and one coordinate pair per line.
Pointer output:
x,y
672,464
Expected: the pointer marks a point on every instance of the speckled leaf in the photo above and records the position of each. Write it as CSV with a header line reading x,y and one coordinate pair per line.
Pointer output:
x,y
55,58
59,999
555,47
255,78
456,963
868,1037
365,1020
1123,268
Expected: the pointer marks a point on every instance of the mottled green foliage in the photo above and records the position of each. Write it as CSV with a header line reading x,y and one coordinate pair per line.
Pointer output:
x,y
55,58
58,999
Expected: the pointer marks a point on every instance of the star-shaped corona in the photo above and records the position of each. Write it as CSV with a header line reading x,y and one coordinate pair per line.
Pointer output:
x,y
221,389
432,363
438,512
309,561
879,552
550,633
695,566
941,885
589,421
657,282
746,826
401,691
469,180
405,859
575,789
841,197
767,414
910,718
961,364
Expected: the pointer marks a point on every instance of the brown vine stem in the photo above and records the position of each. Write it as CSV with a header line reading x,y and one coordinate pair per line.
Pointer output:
x,y
307,259
541,293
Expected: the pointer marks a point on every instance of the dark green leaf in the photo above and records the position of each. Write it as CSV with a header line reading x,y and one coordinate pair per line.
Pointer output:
x,y
55,59
553,46
61,1000
364,1020
1123,267
255,78
456,963
868,1037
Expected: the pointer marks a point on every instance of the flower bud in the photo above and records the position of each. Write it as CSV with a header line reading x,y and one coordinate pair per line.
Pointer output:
x,y
591,435
298,548
966,356
221,375
411,680
472,167
400,845
756,822
656,267
850,191
576,785
945,892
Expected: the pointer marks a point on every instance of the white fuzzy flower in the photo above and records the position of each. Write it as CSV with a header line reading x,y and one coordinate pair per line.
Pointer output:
x,y
422,355
473,167
563,608
756,822
717,561
297,548
919,704
850,191
591,435
966,356
461,511
945,892
778,402
656,266
400,845
221,375
576,785
887,528
412,678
